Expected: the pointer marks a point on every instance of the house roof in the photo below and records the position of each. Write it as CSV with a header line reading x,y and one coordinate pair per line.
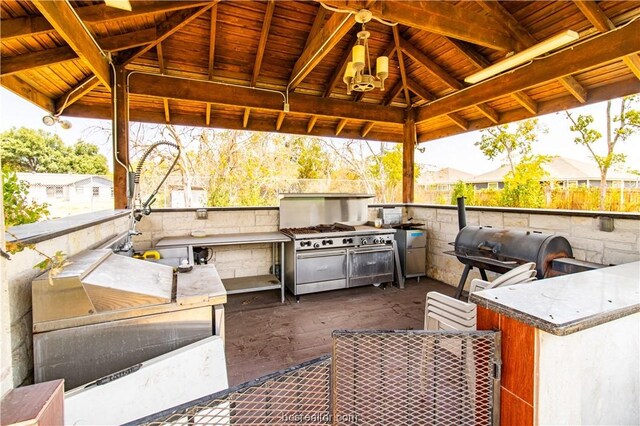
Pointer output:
x,y
232,64
61,179
446,175
560,168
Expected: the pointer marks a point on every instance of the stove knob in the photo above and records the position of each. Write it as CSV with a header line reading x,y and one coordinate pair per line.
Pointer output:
x,y
377,241
330,242
316,245
350,240
345,241
324,242
363,241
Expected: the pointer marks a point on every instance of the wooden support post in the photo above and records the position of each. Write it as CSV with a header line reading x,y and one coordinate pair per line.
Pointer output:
x,y
121,135
409,143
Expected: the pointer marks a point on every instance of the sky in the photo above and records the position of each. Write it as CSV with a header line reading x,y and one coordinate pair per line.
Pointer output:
x,y
457,151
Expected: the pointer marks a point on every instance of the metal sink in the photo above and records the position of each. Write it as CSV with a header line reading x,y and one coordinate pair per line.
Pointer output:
x,y
168,256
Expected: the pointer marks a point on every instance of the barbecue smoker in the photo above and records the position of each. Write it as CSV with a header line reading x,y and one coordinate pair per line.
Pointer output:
x,y
500,250
346,253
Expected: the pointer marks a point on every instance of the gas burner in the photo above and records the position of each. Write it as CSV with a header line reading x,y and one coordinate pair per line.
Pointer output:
x,y
319,229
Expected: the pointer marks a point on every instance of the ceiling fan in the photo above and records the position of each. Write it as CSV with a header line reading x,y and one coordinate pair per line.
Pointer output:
x,y
119,4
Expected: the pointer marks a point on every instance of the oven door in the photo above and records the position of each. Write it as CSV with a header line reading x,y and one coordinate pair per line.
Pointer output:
x,y
321,270
371,265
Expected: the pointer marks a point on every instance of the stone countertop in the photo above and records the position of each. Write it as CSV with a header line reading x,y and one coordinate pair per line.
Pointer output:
x,y
224,239
570,303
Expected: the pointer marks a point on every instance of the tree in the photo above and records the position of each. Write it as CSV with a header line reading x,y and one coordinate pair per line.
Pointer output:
x,y
466,190
522,186
17,209
29,150
619,128
500,141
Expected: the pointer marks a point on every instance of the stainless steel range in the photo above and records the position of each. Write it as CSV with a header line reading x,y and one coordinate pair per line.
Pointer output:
x,y
346,253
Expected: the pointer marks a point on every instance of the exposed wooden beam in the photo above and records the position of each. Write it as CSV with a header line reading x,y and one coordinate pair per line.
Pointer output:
x,y
318,23
161,65
280,120
177,21
28,92
121,138
423,93
36,25
332,32
442,18
602,23
599,94
206,91
167,114
458,121
434,69
340,126
207,115
63,18
469,52
489,112
262,43
76,93
295,127
44,58
245,117
403,72
336,77
367,128
409,140
393,92
608,47
526,101
526,39
311,123
212,39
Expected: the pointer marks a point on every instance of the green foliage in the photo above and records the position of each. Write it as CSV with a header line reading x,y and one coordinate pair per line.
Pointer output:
x,y
461,189
522,187
17,210
29,150
500,141
312,160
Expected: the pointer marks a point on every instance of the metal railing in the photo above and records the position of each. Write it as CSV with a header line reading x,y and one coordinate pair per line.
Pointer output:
x,y
373,378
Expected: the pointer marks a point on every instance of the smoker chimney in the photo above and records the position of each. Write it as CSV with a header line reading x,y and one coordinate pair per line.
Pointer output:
x,y
462,213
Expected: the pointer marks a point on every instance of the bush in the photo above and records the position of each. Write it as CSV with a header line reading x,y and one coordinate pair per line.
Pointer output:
x,y
17,210
465,190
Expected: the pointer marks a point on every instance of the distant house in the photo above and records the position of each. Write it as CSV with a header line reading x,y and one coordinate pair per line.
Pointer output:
x,y
562,171
67,193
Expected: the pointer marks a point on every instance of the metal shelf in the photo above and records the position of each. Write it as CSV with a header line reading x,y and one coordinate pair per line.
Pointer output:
x,y
250,284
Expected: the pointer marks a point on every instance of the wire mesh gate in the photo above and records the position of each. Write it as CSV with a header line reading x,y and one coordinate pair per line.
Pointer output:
x,y
373,378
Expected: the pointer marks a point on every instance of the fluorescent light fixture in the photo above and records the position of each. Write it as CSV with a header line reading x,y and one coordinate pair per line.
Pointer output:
x,y
119,4
526,55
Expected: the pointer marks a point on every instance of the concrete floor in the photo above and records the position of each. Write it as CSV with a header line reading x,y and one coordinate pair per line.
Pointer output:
x,y
264,336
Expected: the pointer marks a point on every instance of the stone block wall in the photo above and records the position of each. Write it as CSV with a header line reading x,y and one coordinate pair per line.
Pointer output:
x,y
581,229
20,272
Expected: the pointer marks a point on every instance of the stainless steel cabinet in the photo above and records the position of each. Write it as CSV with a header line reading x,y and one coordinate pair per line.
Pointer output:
x,y
412,248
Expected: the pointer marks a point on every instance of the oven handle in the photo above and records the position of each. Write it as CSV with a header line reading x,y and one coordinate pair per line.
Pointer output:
x,y
322,254
371,250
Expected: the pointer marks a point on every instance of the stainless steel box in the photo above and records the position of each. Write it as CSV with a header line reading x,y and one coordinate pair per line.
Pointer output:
x,y
412,248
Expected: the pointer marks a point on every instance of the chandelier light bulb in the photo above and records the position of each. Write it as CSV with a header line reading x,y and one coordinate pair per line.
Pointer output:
x,y
358,53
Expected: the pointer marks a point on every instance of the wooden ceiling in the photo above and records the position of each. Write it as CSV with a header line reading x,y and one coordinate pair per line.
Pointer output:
x,y
228,64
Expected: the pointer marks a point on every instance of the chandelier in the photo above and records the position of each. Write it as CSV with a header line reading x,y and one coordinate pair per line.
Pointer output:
x,y
358,75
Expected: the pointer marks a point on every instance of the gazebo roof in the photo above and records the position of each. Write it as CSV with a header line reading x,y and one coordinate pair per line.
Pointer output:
x,y
207,63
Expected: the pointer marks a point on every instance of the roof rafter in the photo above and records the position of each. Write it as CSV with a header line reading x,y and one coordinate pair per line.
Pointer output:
x,y
63,18
403,71
28,92
262,44
441,18
423,93
608,47
36,25
76,93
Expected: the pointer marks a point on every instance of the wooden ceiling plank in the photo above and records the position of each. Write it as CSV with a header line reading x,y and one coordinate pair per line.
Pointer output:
x,y
608,47
76,93
336,77
332,32
48,57
602,23
434,69
441,18
262,44
206,91
403,72
64,20
28,92
37,25
367,128
469,52
164,30
526,101
311,123
340,126
212,39
598,94
245,117
280,120
489,112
